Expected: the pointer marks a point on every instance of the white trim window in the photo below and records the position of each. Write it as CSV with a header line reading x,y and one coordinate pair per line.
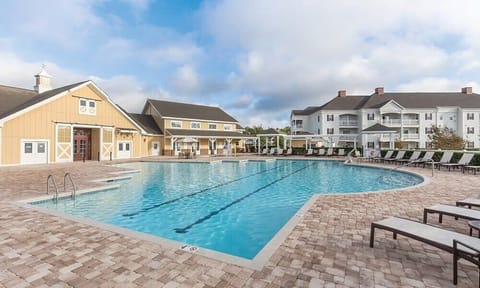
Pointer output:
x,y
175,124
195,125
470,130
212,126
470,116
428,116
227,127
371,116
87,107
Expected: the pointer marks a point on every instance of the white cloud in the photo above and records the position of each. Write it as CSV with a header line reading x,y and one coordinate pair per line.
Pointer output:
x,y
185,80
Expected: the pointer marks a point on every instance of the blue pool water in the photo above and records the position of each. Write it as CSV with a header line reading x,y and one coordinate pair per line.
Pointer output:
x,y
235,208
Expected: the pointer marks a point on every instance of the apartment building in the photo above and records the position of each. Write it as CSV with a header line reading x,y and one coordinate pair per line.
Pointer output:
x,y
406,116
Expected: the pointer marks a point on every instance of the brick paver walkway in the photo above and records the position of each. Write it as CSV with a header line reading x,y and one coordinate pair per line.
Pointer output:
x,y
329,248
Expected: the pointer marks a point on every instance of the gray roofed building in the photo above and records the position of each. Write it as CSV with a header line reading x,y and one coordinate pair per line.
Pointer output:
x,y
190,111
26,97
424,100
202,133
147,123
345,103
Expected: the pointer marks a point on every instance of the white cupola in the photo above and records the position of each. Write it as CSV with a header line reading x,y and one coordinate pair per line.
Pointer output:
x,y
43,81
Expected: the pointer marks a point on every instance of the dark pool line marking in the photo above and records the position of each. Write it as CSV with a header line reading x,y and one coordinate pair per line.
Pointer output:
x,y
213,213
196,193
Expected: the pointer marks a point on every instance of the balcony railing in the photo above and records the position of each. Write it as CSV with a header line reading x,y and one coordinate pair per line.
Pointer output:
x,y
391,122
348,123
398,122
347,138
411,136
387,138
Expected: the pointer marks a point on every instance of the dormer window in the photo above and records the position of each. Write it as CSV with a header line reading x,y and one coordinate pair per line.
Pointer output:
x,y
87,107
176,124
195,125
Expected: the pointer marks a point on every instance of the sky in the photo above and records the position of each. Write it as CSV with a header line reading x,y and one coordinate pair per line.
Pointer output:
x,y
256,59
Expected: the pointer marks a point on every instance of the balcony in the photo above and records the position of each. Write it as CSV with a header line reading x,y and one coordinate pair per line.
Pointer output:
x,y
411,136
387,137
348,123
391,122
347,138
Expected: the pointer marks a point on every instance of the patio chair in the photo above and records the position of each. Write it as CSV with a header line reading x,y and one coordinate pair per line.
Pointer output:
x,y
309,152
272,151
469,202
321,152
464,161
288,152
450,210
415,155
279,151
473,168
460,245
388,155
426,158
446,157
399,156
264,151
329,152
341,152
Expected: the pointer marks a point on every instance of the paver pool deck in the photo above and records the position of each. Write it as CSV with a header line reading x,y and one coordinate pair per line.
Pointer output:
x,y
328,248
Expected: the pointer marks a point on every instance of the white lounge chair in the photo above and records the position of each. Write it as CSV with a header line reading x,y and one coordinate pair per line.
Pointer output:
x,y
272,151
446,157
289,152
341,152
460,245
399,156
464,161
426,158
279,151
264,151
415,155
329,152
309,152
388,155
321,152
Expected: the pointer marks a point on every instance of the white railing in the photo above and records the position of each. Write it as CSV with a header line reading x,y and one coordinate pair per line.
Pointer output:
x,y
348,123
411,136
347,138
410,122
387,138
391,122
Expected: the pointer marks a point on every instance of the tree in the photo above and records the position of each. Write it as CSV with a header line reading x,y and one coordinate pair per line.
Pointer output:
x,y
444,138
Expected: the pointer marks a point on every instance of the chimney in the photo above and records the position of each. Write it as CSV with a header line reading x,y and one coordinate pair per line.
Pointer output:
x,y
43,81
379,91
467,90
342,93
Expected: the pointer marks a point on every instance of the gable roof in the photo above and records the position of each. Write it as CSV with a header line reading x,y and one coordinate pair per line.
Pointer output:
x,y
147,123
190,111
345,103
26,98
425,99
307,111
379,128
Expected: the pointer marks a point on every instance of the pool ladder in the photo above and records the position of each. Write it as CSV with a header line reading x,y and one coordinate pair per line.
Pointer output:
x,y
51,181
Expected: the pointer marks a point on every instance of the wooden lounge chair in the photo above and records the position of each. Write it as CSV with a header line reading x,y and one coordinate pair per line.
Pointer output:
x,y
388,155
415,155
460,245
469,202
446,157
399,156
450,210
464,161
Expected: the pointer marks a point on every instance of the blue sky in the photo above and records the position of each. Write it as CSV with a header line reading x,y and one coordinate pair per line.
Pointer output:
x,y
256,59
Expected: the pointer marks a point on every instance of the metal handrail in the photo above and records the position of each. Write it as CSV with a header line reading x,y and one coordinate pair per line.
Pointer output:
x,y
55,197
69,176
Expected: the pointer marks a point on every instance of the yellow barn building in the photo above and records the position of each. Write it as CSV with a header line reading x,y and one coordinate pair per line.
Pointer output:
x,y
80,122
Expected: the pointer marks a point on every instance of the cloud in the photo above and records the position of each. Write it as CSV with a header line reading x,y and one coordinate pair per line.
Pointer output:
x,y
292,54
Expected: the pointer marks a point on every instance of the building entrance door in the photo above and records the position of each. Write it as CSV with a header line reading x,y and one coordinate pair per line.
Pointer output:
x,y
82,144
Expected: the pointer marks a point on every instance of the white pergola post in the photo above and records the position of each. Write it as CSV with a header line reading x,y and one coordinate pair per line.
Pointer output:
x,y
278,143
214,148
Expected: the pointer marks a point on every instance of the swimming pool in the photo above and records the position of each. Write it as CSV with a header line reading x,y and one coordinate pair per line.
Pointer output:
x,y
230,207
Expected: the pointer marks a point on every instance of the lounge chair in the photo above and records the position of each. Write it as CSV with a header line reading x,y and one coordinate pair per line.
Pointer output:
x,y
415,155
388,155
321,152
309,152
460,245
450,210
426,158
288,152
329,152
341,152
471,168
469,202
446,157
464,161
279,151
399,156
272,151
264,151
